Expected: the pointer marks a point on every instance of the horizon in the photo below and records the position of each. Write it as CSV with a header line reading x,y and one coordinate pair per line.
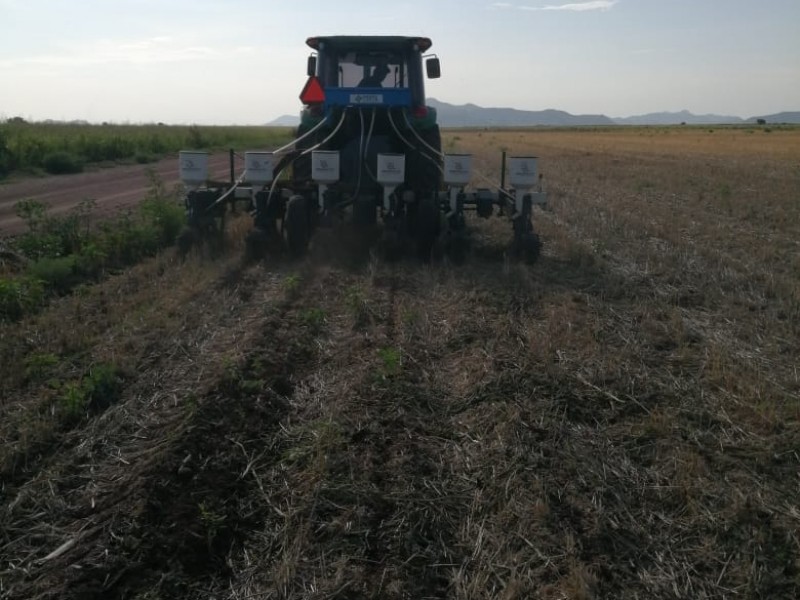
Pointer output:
x,y
744,120
145,61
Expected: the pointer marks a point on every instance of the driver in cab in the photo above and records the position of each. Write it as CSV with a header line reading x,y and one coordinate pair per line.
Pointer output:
x,y
379,73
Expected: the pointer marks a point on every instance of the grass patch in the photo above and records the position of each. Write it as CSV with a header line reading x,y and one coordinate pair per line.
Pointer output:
x,y
64,252
391,361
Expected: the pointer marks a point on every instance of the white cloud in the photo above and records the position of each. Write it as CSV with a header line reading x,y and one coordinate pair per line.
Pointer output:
x,y
573,6
148,51
582,6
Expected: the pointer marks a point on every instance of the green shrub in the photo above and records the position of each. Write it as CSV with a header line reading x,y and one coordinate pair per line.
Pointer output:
x,y
32,212
72,403
6,160
314,318
166,217
162,210
59,274
67,251
52,236
62,163
19,297
103,386
126,241
96,392
144,158
36,245
91,260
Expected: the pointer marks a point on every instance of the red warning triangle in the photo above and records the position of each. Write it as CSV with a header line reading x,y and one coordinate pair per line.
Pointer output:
x,y
312,92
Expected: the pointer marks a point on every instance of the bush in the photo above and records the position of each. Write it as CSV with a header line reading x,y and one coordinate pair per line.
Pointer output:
x,y
19,297
59,274
144,158
62,163
6,161
91,260
52,236
126,241
167,218
162,210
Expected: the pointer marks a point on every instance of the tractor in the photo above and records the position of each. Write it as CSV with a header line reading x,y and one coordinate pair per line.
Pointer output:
x,y
367,150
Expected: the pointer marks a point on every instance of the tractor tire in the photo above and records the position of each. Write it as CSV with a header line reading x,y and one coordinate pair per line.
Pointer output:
x,y
426,226
296,226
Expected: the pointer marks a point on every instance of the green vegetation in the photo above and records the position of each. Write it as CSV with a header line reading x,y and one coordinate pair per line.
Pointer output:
x,y
291,285
358,305
391,361
61,162
63,252
67,147
38,365
19,296
313,318
94,393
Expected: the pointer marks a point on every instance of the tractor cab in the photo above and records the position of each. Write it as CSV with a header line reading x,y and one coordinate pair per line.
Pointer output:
x,y
371,71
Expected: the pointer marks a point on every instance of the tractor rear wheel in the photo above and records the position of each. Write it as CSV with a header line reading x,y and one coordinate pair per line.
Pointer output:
x,y
296,226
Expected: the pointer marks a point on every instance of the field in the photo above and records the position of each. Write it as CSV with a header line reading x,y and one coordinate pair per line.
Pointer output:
x,y
621,420
60,148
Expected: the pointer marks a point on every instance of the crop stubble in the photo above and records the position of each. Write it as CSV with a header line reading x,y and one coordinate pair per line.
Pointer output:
x,y
620,420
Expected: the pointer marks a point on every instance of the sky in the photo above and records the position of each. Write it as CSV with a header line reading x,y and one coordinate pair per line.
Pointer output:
x,y
243,61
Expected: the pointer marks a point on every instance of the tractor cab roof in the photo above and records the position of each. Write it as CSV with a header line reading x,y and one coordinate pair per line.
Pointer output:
x,y
370,42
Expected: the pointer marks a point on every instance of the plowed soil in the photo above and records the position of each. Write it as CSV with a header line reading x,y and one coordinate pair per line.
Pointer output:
x,y
620,420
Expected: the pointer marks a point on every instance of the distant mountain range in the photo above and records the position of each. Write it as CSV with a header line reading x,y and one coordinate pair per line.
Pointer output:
x,y
471,115
285,121
685,117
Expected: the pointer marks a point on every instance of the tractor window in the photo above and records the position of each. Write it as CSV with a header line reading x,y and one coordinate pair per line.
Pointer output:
x,y
373,69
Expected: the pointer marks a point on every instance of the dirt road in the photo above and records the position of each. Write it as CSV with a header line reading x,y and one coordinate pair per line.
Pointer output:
x,y
113,189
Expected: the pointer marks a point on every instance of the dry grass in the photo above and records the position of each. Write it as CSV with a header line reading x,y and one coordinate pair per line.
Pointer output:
x,y
619,421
